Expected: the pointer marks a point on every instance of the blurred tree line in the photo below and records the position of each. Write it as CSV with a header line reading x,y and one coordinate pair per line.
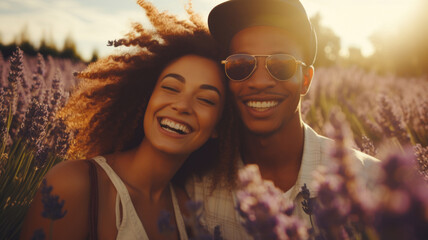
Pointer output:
x,y
46,47
403,52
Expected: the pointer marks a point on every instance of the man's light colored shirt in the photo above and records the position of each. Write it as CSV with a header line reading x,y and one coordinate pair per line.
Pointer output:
x,y
219,206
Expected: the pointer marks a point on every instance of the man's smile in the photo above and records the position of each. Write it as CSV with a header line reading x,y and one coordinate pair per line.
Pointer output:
x,y
261,105
262,102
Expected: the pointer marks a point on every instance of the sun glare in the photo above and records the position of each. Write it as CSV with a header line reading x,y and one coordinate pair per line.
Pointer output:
x,y
355,21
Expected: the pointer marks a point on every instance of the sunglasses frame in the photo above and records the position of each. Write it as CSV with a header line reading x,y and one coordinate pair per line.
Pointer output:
x,y
256,64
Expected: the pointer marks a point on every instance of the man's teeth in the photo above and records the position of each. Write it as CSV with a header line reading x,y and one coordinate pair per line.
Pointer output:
x,y
262,105
170,125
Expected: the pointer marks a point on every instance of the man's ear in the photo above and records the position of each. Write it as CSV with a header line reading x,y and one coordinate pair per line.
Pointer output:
x,y
308,74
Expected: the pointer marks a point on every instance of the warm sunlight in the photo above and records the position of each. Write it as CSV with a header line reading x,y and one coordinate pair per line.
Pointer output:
x,y
355,21
91,23
134,119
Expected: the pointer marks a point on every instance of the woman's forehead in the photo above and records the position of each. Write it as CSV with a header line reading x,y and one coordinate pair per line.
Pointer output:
x,y
195,69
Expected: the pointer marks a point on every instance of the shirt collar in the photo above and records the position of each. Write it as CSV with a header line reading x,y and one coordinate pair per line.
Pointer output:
x,y
311,159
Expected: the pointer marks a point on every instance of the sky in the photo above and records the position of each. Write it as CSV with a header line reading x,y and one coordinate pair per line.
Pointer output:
x,y
91,23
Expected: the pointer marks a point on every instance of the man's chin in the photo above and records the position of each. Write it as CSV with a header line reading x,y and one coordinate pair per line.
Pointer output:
x,y
264,130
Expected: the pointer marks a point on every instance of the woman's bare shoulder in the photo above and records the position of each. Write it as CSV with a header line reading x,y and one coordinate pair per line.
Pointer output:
x,y
70,184
73,175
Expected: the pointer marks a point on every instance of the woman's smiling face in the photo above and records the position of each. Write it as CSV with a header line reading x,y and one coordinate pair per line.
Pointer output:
x,y
185,106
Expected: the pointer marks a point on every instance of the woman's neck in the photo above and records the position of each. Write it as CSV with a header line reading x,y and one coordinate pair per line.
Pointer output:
x,y
149,170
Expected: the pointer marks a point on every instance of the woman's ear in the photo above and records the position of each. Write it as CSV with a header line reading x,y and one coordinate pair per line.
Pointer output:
x,y
308,74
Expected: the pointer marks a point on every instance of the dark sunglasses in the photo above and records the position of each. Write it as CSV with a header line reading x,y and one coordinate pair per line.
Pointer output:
x,y
239,67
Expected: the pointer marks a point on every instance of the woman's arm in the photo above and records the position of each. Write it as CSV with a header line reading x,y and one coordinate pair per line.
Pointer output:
x,y
70,181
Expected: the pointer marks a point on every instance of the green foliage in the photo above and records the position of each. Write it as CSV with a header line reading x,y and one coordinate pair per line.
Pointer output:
x,y
32,139
69,50
328,43
405,51
47,47
95,56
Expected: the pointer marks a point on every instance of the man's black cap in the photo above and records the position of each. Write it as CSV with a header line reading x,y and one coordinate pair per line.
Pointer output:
x,y
228,18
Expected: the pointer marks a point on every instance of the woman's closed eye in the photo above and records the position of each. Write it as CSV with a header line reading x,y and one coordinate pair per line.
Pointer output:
x,y
170,88
207,101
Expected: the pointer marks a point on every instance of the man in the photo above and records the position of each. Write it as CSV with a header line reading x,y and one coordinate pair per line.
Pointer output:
x,y
272,47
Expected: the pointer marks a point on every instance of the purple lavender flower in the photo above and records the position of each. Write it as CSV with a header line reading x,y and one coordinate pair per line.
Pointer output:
x,y
33,127
38,77
421,154
423,115
368,146
217,233
41,156
16,73
4,111
52,207
56,88
332,206
21,107
402,199
164,223
2,80
29,142
61,138
46,97
15,78
198,232
308,203
267,214
391,122
3,160
343,204
16,92
39,234
193,206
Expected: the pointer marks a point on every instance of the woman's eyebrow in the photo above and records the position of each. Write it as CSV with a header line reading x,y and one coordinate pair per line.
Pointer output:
x,y
210,87
176,76
183,80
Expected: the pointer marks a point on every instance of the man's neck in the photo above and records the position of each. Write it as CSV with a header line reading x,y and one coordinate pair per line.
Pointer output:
x,y
278,156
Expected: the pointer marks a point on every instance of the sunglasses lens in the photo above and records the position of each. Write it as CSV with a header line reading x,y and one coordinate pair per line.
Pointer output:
x,y
238,67
281,66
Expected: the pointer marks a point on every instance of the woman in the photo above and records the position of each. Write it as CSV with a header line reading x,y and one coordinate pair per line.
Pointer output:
x,y
139,116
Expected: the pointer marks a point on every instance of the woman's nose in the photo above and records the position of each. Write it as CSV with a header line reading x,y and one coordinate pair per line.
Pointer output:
x,y
183,105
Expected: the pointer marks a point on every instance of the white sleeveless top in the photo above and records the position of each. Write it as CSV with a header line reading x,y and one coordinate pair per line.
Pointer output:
x,y
130,226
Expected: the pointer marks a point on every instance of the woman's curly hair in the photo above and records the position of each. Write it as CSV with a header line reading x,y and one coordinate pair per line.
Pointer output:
x,y
107,108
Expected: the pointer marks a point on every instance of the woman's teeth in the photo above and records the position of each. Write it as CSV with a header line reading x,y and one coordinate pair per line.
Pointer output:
x,y
173,126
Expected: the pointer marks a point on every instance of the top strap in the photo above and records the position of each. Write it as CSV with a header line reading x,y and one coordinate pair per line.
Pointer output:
x,y
178,216
93,201
129,216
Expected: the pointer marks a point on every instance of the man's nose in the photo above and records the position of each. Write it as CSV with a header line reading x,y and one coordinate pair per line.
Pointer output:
x,y
261,78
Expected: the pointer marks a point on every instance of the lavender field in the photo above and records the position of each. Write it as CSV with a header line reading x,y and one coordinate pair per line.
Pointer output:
x,y
381,115
384,113
32,139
